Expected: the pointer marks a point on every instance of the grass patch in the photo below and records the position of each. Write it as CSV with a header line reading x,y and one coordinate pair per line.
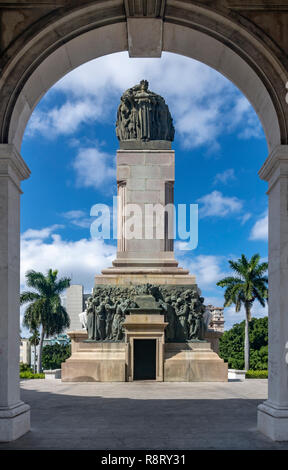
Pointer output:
x,y
257,374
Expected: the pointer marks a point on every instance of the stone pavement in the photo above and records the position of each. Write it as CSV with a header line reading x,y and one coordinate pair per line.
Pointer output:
x,y
143,415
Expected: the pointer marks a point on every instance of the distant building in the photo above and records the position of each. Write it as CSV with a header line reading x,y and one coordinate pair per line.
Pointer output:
x,y
59,339
217,318
25,351
74,302
74,305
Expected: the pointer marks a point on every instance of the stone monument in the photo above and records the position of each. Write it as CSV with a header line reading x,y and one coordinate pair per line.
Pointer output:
x,y
146,317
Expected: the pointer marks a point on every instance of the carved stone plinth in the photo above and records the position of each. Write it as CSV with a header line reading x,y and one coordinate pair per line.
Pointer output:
x,y
94,361
193,362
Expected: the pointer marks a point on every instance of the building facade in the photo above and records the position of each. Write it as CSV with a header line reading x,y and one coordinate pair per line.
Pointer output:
x,y
217,318
25,351
75,305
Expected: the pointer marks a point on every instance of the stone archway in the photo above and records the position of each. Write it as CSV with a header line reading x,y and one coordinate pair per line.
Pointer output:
x,y
67,36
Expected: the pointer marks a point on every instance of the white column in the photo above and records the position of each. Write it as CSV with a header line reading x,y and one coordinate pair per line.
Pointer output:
x,y
142,176
14,414
273,413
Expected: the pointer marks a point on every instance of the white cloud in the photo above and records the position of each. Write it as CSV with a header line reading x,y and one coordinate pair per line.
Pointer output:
x,y
213,300
199,126
231,316
260,229
80,259
215,204
225,177
201,112
78,218
252,128
63,120
207,268
74,214
242,114
244,218
42,234
94,168
179,246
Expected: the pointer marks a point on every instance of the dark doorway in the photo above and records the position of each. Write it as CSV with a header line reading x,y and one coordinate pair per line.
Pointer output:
x,y
144,359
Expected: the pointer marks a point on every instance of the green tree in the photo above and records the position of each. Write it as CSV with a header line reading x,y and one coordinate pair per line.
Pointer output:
x,y
34,340
54,354
249,284
231,345
45,310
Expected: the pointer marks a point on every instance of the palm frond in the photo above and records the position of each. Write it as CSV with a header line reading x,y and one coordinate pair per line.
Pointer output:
x,y
254,261
28,296
62,284
249,285
227,281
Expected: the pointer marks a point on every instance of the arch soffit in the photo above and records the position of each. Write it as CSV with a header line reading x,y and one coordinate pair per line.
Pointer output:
x,y
261,80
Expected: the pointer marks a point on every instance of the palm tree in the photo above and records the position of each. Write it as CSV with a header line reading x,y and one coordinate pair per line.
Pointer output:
x,y
45,309
250,284
34,340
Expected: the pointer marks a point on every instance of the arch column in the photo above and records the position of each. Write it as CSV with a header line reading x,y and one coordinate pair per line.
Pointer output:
x,y
14,414
273,413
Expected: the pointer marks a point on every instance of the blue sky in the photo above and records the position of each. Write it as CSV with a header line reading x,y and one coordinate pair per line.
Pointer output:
x,y
70,146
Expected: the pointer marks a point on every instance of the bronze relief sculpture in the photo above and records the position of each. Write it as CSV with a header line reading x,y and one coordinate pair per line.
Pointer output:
x,y
182,307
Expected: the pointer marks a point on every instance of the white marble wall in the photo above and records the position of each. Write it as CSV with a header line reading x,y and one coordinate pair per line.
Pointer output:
x,y
14,414
273,414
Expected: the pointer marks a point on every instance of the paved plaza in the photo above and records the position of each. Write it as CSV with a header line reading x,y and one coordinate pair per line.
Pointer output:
x,y
143,415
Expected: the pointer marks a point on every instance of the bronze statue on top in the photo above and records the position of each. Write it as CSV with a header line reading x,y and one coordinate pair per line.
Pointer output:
x,y
143,116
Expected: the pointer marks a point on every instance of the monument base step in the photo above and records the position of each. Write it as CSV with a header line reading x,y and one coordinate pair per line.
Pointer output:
x,y
116,278
193,362
108,362
94,361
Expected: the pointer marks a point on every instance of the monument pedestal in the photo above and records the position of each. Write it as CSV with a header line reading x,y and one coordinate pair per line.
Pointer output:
x,y
193,362
96,361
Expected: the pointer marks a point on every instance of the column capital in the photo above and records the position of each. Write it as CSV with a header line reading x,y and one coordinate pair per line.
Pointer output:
x,y
12,164
276,165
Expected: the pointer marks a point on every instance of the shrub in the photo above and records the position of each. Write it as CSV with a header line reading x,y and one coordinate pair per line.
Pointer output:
x,y
257,374
53,355
231,345
25,367
31,375
259,358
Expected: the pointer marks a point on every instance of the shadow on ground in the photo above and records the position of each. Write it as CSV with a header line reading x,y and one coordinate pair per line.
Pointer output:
x,y
61,420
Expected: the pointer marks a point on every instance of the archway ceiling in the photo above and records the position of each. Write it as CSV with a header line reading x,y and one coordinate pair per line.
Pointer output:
x,y
253,29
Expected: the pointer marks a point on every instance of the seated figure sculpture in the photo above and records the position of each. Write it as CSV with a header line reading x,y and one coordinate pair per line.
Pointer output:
x,y
143,115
